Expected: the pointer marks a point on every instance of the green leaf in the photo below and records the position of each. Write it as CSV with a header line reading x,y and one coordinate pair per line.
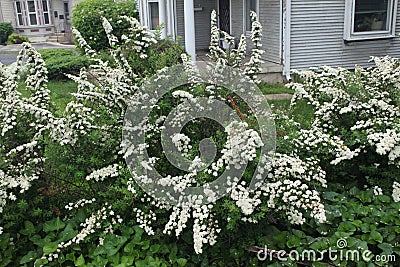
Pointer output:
x,y
357,223
53,225
181,261
4,240
376,236
41,262
386,248
294,241
68,233
154,248
80,261
332,196
346,227
299,233
29,228
30,256
50,247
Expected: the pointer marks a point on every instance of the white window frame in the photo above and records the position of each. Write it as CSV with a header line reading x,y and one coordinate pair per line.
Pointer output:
x,y
32,13
245,14
46,12
350,35
148,13
21,3
145,14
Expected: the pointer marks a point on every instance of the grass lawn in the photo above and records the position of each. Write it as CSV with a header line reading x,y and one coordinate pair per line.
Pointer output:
x,y
267,88
60,93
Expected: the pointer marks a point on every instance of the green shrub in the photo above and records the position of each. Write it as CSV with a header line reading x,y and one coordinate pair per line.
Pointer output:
x,y
164,53
87,19
5,30
16,38
62,61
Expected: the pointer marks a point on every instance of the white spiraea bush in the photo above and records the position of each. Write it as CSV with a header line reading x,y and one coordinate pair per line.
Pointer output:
x,y
236,57
357,117
104,92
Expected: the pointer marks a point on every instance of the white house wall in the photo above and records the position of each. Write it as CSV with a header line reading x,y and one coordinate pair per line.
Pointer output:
x,y
317,28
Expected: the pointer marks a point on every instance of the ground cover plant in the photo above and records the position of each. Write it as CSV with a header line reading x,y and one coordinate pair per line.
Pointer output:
x,y
67,196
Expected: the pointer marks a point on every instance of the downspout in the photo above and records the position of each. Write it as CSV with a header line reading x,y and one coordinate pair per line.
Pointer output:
x,y
286,40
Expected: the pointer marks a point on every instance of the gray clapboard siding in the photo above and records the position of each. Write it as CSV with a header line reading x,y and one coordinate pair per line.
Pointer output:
x,y
270,18
237,18
180,21
203,22
317,28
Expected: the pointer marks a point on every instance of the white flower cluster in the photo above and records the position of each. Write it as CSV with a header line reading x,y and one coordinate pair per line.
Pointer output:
x,y
182,143
253,67
352,121
145,220
103,173
23,160
291,188
103,219
396,192
80,203
378,191
205,228
235,57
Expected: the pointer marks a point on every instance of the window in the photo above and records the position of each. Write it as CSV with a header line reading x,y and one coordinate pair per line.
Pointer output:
x,y
46,12
18,8
369,19
66,10
250,5
32,13
154,15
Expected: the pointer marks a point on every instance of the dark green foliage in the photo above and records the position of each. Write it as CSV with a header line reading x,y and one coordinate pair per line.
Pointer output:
x,y
358,220
87,20
165,53
6,30
62,61
16,38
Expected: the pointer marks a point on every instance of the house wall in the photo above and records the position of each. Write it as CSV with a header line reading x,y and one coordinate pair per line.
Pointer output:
x,y
237,18
317,28
57,5
203,22
7,9
270,16
180,21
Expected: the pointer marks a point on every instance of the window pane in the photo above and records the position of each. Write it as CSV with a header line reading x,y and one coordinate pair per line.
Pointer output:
x,y
371,15
31,6
32,18
46,18
18,4
251,5
154,15
20,20
45,8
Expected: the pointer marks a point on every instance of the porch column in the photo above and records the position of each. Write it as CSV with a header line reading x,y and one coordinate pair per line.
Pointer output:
x,y
190,40
162,18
